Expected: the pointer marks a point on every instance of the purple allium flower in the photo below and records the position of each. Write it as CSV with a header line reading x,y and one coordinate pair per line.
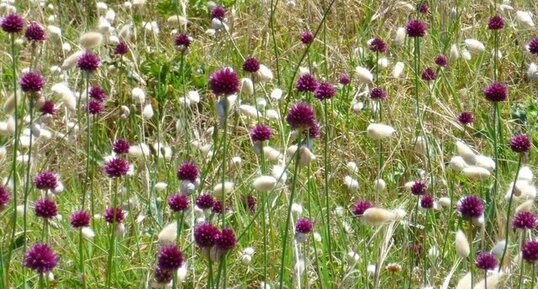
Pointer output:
x,y
301,115
218,207
419,188
205,235
249,202
46,208
121,146
377,94
307,37
470,207
496,23
97,93
12,23
114,214
121,48
524,221
533,46
251,64
486,261
178,202
88,62
170,257
116,167
306,82
48,107
441,60
313,131
428,74
224,81
261,132
466,118
46,180
35,32
360,207
80,219
496,92
187,172
304,226
31,82
427,202
423,8
530,251
416,28
377,45
225,240
162,276
4,197
95,107
324,90
344,79
218,12
520,143
205,201
183,41
40,258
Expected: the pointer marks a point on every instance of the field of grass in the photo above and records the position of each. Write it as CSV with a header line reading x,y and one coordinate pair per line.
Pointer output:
x,y
268,144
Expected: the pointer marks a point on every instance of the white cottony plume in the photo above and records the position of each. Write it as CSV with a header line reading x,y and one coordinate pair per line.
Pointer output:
x,y
71,60
264,183
466,54
380,185
398,69
476,173
466,152
444,202
228,187
247,86
383,62
532,72
101,6
147,112
305,156
352,167
498,249
380,131
169,233
351,184
493,281
88,233
68,97
54,31
523,190
485,162
279,173
296,208
525,18
177,19
161,186
457,163
364,75
462,245
525,206
474,45
276,94
193,96
378,216
248,110
465,282
138,95
271,154
272,115
139,151
91,40
104,25
264,74
399,37
454,52
525,174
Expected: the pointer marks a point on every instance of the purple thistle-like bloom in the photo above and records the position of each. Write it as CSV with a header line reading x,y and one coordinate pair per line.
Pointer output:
x,y
35,32
251,64
416,28
170,257
306,82
205,235
377,45
261,132
486,261
304,226
80,219
301,115
520,143
46,180
218,12
313,131
524,221
114,214
377,93
88,62
121,146
496,23
441,60
40,258
31,82
423,8
427,202
428,74
46,208
224,81
95,107
121,48
344,79
97,93
529,251
178,202
418,188
324,90
162,276
12,23
116,167
360,207
187,172
466,118
225,240
5,197
496,92
470,207
205,201
533,46
183,41
48,107
307,37
218,207
249,202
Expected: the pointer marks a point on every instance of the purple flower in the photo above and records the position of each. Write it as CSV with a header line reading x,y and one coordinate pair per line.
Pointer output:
x,y
162,276
251,64
95,107
529,251
344,79
224,81
324,90
46,208
80,219
121,48
170,258
261,132
205,235
470,207
225,240
377,45
418,188
496,23
307,37
496,92
35,32
116,167
360,207
183,41
12,23
486,261
187,172
97,93
520,143
304,226
428,74
524,221
377,93
88,62
121,146
40,258
178,202
466,118
46,180
114,215
48,108
441,60
416,28
423,8
301,115
4,197
249,202
306,82
218,207
427,202
313,131
218,12
31,82
533,46
205,201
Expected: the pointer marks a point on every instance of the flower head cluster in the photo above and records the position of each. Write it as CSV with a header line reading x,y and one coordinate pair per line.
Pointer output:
x,y
324,90
95,107
40,258
121,48
307,37
428,74
80,219
188,171
170,258
303,226
121,146
183,41
416,28
46,180
441,60
377,45
529,251
46,208
205,201
116,167
178,202
88,62
418,188
470,207
218,12
35,32
360,207
114,215
251,64
496,23
205,235
496,92
524,221
377,93
48,107
301,116
486,261
5,197
225,240
306,82
520,143
533,46
466,118
97,93
224,81
261,132
12,23
427,202
31,82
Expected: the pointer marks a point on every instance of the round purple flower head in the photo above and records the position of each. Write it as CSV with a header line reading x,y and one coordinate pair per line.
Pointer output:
x,y
46,208
225,240
423,8
114,214
486,261
324,90
251,64
31,82
466,118
261,132
121,48
418,188
88,62
187,172
121,146
301,115
162,276
12,23
304,226
95,107
170,258
416,28
533,46
35,32
80,219
428,74
218,207
183,41
218,12
249,202
224,81
97,93
524,221
40,258
427,202
306,82
360,207
496,92
470,207
48,107
529,251
116,167
377,45
344,79
520,143
46,180
205,235
313,131
178,202
377,93
205,201
496,23
441,60
4,197
307,37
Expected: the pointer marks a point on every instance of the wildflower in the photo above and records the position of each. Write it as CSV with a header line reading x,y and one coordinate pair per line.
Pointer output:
x,y
380,131
12,23
95,107
205,201
170,258
91,40
88,62
306,82
520,143
525,17
218,207
218,12
114,215
418,188
427,202
466,118
48,108
301,115
31,82
360,207
416,28
496,92
324,90
307,37
264,183
486,261
363,74
428,74
224,81
121,146
378,216
188,172
35,32
178,202
116,167
261,132
205,235
533,46
302,227
40,258
529,251
377,45
470,207
183,41
474,45
344,79
423,8
225,240
249,202
496,22
97,93
524,221
462,245
121,48
46,208
441,60
251,64
80,219
4,197
162,276
46,180
377,94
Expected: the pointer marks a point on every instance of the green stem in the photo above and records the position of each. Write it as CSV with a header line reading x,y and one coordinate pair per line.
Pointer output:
x,y
27,183
507,224
88,120
112,238
81,254
326,158
275,46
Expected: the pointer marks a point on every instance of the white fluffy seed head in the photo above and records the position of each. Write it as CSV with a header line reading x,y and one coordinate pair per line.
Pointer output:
x,y
87,232
526,206
485,162
462,245
525,173
138,95
378,216
466,152
379,131
276,94
247,87
351,184
444,202
169,233
264,183
305,156
71,60
474,45
147,112
352,167
264,74
398,69
91,40
399,36
228,187
380,185
68,97
457,163
476,173
454,52
525,18
363,74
